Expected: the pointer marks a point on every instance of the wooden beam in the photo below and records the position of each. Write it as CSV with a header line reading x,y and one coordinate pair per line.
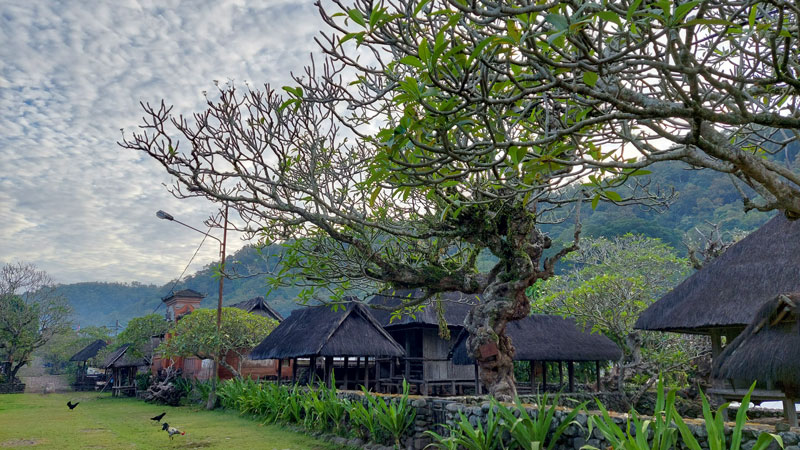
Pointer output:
x,y
560,375
544,376
366,372
477,381
294,372
407,368
312,367
345,373
328,370
716,343
532,377
280,369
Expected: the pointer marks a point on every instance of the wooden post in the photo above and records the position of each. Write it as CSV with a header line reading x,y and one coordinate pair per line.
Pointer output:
x,y
532,377
294,372
312,367
560,375
328,370
477,381
407,368
377,375
345,373
280,369
366,372
789,411
571,375
544,376
716,343
597,371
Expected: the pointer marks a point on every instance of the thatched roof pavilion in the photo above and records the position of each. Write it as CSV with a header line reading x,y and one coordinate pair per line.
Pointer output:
x,y
258,305
456,308
89,352
321,332
549,338
726,294
542,337
123,367
768,350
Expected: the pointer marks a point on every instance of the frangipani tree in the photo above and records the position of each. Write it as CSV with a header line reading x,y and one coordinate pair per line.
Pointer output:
x,y
437,130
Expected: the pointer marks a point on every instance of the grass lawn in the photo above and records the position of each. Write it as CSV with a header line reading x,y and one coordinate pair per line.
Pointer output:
x,y
44,421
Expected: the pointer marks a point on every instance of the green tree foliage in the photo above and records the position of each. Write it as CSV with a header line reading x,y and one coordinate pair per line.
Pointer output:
x,y
57,352
610,282
31,313
139,332
196,335
469,123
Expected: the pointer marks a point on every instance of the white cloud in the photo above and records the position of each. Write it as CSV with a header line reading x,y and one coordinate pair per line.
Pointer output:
x,y
71,75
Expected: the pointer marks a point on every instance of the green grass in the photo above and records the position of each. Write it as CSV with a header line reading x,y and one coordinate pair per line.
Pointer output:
x,y
44,421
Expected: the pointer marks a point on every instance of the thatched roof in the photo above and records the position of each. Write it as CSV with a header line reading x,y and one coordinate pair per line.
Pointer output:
x,y
543,337
89,352
121,358
190,293
258,305
456,306
729,290
319,331
769,348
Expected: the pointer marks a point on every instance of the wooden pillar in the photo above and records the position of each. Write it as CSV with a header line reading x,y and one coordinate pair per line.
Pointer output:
x,y
716,343
345,373
377,375
294,372
280,369
328,370
571,375
477,381
312,368
366,372
597,372
560,375
544,376
532,377
789,411
407,368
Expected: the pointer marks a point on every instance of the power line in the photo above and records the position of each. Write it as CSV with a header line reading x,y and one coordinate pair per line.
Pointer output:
x,y
184,269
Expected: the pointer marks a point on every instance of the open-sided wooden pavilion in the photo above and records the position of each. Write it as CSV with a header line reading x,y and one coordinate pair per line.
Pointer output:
x,y
548,339
427,365
724,296
123,367
84,382
259,306
315,333
768,350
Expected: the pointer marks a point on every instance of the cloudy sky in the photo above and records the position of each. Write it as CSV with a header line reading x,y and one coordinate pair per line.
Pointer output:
x,y
72,74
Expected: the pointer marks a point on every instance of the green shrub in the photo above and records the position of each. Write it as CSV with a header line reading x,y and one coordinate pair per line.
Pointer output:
x,y
143,381
531,433
465,435
393,416
715,427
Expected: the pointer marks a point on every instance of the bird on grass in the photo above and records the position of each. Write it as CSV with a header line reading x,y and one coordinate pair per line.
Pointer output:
x,y
172,431
158,417
72,405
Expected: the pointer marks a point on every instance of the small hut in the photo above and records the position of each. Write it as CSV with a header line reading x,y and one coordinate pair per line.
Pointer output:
x,y
768,350
426,366
259,306
319,332
83,381
548,339
723,297
123,367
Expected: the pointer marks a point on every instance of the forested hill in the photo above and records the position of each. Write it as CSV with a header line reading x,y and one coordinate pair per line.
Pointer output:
x,y
702,197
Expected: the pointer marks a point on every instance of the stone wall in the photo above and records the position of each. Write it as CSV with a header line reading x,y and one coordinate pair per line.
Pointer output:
x,y
434,413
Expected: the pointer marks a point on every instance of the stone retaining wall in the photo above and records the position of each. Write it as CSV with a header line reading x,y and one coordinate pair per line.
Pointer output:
x,y
433,413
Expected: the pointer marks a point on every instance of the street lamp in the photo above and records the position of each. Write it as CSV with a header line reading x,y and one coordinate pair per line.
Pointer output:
x,y
167,216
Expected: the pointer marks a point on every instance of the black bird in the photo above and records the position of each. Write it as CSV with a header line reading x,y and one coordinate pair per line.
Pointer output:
x,y
72,406
158,417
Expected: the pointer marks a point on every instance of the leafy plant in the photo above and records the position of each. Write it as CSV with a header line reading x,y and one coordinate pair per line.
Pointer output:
x,y
531,432
363,419
465,435
715,427
635,435
393,416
